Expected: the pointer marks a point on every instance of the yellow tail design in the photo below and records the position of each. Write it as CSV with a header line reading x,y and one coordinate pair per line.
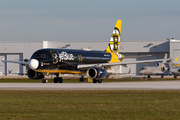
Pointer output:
x,y
177,58
114,42
177,65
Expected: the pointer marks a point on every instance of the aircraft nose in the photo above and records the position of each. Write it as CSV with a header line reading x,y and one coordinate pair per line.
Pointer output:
x,y
33,64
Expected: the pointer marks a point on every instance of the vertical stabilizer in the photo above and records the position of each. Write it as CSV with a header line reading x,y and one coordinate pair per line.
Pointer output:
x,y
164,61
114,42
163,64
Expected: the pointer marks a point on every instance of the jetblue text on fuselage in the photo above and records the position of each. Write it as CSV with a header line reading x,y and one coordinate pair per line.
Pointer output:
x,y
65,56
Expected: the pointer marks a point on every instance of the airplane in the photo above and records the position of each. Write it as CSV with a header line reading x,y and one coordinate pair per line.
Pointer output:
x,y
159,69
91,63
174,68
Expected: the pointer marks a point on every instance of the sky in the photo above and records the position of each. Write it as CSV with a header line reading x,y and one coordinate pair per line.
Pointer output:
x,y
88,20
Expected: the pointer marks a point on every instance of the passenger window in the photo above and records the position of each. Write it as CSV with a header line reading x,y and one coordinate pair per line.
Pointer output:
x,y
41,56
44,56
38,56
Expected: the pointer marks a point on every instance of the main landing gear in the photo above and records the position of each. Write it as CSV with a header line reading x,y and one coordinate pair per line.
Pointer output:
x,y
58,79
97,80
82,79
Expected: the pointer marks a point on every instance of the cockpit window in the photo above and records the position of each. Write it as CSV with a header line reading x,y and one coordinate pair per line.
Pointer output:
x,y
41,56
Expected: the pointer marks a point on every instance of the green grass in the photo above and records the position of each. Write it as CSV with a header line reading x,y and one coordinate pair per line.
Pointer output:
x,y
76,80
90,105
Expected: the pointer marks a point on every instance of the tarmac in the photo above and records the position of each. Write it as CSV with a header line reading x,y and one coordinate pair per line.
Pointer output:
x,y
149,85
143,85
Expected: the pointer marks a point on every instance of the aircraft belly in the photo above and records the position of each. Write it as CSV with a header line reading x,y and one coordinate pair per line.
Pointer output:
x,y
60,71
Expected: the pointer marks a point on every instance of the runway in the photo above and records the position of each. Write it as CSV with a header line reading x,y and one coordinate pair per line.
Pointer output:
x,y
149,85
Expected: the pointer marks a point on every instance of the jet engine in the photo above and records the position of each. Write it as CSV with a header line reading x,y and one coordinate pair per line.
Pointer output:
x,y
96,73
34,75
158,64
164,69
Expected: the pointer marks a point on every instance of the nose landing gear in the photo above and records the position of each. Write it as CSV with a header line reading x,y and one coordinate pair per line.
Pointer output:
x,y
44,80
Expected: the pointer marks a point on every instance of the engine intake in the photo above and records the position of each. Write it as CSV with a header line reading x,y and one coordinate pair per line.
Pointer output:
x,y
163,69
34,75
96,73
157,64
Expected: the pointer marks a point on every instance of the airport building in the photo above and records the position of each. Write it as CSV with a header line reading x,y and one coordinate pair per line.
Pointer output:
x,y
23,50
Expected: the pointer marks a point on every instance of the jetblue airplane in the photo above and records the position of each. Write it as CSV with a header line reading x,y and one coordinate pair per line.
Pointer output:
x,y
92,63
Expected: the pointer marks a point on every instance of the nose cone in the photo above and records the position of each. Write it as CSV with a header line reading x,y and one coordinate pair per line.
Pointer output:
x,y
33,64
141,72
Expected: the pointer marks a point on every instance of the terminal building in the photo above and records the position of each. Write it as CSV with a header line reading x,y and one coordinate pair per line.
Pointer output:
x,y
23,50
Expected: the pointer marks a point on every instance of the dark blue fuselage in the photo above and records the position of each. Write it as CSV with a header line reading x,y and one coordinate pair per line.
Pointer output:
x,y
68,59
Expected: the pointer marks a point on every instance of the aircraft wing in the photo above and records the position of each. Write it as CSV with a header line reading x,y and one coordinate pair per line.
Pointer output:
x,y
18,62
134,56
83,66
163,74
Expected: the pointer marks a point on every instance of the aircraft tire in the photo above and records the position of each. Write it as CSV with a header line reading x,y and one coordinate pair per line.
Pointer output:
x,y
60,80
175,76
94,81
81,79
55,80
100,81
44,80
162,76
149,76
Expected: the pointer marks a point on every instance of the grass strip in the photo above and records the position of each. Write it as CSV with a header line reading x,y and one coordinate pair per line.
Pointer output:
x,y
101,105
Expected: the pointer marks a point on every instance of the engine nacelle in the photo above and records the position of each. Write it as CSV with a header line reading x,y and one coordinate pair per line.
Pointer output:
x,y
163,69
96,73
34,75
158,64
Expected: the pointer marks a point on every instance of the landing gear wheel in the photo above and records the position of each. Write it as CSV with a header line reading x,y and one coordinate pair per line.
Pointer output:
x,y
81,79
44,80
56,80
162,76
149,76
94,81
100,81
175,76
60,80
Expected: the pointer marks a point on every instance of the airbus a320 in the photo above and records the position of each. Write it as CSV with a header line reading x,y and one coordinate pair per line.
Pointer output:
x,y
92,63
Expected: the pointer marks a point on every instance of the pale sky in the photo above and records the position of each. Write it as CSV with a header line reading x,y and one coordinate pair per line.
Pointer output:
x,y
88,20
